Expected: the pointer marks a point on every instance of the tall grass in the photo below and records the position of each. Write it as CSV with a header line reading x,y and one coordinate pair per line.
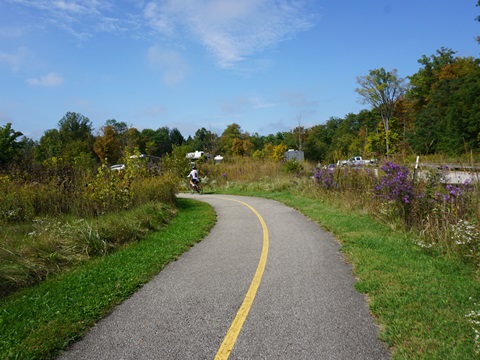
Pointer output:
x,y
69,215
32,252
247,171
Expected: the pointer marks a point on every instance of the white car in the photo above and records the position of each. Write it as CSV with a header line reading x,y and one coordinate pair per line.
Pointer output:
x,y
117,167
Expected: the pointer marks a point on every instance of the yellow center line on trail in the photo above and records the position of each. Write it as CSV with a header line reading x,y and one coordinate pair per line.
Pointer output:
x,y
234,330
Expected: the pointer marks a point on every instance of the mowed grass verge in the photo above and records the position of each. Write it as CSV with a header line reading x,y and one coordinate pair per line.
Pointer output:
x,y
39,322
418,299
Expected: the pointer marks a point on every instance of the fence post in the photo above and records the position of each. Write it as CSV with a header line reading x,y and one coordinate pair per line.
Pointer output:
x,y
415,170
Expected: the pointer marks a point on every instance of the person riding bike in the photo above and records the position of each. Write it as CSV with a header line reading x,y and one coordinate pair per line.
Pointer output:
x,y
194,179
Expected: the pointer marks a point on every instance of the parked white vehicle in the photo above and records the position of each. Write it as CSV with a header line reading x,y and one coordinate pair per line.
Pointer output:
x,y
355,161
195,155
117,167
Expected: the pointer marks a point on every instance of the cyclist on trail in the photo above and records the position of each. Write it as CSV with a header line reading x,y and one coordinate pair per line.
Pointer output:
x,y
194,180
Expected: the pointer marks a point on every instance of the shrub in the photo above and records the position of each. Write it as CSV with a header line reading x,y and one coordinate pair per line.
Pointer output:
x,y
292,167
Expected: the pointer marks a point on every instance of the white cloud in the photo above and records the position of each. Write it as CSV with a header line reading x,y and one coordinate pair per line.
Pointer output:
x,y
78,7
173,66
74,7
111,25
231,30
157,18
49,80
14,59
81,18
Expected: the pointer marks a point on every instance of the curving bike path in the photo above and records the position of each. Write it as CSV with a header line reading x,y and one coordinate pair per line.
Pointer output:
x,y
266,283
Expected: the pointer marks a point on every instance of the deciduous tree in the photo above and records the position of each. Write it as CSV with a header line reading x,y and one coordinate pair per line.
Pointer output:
x,y
9,146
278,152
382,89
232,132
443,102
49,145
315,147
176,137
108,146
75,136
204,140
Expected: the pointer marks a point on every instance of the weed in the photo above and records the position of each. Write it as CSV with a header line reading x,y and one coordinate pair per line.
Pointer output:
x,y
396,187
68,214
466,239
474,318
293,167
325,178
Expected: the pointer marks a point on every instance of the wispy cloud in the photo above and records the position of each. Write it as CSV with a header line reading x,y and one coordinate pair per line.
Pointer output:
x,y
48,80
73,7
171,63
81,18
14,59
231,30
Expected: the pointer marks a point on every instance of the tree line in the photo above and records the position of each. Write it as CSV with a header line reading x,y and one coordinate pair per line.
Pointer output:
x,y
436,110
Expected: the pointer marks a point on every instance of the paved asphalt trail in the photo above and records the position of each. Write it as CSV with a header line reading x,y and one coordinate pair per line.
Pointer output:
x,y
305,308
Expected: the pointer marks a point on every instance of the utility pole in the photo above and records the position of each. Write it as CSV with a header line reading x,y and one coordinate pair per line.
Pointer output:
x,y
300,132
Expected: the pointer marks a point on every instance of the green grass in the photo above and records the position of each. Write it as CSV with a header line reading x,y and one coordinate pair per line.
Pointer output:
x,y
31,251
419,300
39,322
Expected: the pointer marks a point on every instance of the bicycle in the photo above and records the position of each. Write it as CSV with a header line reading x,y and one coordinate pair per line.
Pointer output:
x,y
195,187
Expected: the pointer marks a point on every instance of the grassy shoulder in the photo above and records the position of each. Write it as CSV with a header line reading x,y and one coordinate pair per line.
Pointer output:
x,y
420,300
38,322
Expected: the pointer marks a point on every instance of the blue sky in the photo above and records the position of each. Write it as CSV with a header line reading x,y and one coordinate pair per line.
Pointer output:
x,y
267,65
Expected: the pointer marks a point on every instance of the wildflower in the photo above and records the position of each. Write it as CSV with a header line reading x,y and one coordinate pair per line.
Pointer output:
x,y
465,233
474,319
395,184
453,193
325,177
396,187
